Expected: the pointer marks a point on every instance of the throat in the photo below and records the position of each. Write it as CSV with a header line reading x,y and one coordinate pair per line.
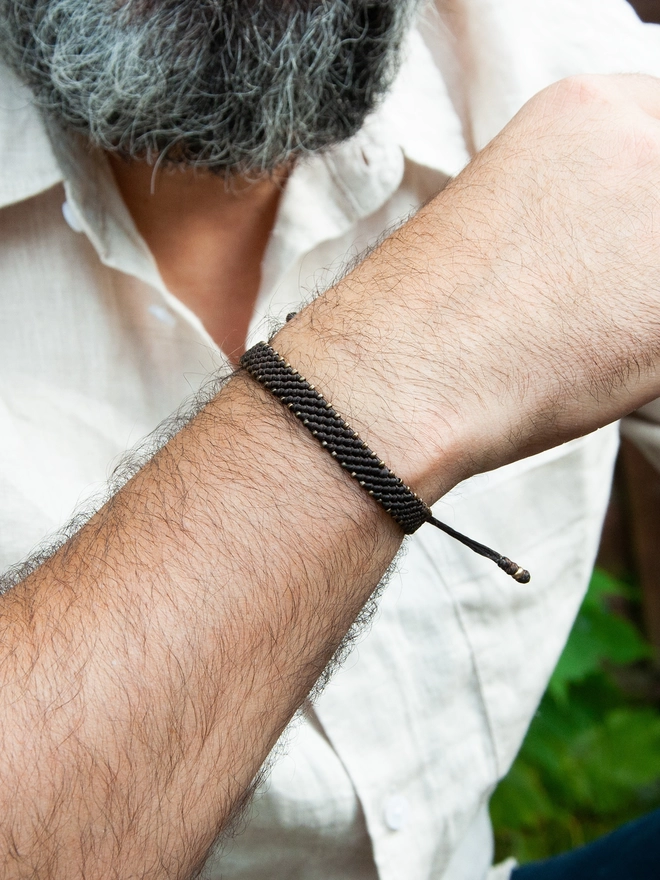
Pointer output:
x,y
208,240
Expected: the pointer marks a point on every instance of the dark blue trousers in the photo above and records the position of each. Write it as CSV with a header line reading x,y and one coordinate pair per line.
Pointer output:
x,y
632,852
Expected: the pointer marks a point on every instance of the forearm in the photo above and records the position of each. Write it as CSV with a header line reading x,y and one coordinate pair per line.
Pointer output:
x,y
150,665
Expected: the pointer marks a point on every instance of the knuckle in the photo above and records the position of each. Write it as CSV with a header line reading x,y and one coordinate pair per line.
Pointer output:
x,y
606,119
583,90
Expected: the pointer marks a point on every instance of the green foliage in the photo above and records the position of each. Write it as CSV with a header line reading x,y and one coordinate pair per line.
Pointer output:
x,y
591,758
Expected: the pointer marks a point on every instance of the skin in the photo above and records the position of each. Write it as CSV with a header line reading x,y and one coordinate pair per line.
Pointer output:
x,y
208,239
149,666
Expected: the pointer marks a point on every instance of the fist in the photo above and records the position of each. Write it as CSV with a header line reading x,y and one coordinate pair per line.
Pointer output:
x,y
553,233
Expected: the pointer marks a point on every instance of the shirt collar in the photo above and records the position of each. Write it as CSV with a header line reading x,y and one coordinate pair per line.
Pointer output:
x,y
419,112
28,164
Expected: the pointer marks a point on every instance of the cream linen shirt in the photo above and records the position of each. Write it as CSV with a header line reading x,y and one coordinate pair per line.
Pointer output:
x,y
389,774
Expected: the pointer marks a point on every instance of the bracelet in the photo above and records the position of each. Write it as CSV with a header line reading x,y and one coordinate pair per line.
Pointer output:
x,y
351,452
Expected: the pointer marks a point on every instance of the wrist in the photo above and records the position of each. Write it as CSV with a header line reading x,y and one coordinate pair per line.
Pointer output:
x,y
380,349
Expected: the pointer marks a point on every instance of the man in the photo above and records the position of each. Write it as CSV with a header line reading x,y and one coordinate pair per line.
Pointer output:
x,y
151,663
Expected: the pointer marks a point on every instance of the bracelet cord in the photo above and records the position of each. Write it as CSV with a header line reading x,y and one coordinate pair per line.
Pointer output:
x,y
270,369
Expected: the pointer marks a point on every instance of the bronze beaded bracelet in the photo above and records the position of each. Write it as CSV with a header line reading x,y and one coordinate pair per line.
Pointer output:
x,y
352,453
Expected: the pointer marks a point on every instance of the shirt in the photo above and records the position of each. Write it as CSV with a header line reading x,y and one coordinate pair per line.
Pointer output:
x,y
389,773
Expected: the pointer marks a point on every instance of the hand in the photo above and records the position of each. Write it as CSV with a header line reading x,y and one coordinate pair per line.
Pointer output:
x,y
521,307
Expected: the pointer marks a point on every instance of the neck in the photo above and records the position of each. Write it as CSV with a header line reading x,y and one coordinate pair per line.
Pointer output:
x,y
208,240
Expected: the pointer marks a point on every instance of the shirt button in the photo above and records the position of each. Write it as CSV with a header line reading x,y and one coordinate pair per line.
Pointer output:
x,y
397,812
70,217
162,314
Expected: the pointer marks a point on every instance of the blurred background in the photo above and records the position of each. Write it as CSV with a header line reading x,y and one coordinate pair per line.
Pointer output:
x,y
591,759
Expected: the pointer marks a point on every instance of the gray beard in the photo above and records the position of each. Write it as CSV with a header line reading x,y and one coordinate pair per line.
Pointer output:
x,y
236,86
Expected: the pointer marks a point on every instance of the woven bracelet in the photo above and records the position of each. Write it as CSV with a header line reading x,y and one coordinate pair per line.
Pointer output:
x,y
352,453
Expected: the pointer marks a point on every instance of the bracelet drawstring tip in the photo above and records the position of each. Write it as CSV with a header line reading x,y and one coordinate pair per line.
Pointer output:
x,y
514,570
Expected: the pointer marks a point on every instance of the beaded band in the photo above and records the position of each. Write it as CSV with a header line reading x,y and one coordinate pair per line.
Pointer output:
x,y
351,452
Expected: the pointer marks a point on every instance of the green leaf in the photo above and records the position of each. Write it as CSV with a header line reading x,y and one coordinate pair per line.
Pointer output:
x,y
598,637
591,759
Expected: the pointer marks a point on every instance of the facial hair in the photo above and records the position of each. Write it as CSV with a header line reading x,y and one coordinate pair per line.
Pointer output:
x,y
236,86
